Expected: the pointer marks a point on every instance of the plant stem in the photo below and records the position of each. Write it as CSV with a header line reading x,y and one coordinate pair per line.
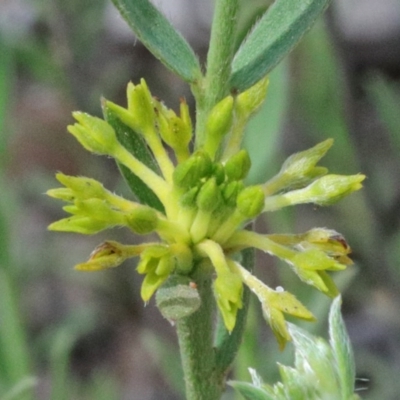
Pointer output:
x,y
219,59
195,335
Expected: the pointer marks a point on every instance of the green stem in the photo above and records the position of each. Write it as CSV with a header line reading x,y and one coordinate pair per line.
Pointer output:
x,y
195,335
219,60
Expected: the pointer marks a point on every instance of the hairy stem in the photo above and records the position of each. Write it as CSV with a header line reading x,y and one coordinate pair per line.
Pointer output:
x,y
195,334
219,60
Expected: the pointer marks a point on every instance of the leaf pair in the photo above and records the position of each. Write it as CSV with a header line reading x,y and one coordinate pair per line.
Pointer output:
x,y
274,35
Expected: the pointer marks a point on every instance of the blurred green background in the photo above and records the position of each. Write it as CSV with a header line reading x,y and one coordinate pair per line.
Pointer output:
x,y
69,335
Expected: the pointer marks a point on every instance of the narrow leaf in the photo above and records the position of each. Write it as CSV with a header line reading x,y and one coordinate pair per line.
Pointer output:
x,y
160,37
342,350
274,36
135,144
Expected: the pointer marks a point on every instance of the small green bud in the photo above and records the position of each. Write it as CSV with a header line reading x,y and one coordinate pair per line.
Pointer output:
x,y
302,163
331,188
188,199
330,242
109,254
142,220
209,197
319,279
218,124
156,251
141,107
189,173
250,201
174,131
231,191
177,298
147,264
251,100
150,284
183,258
228,289
324,191
151,256
79,224
165,265
100,210
82,187
238,166
65,194
124,115
276,321
315,259
218,173
94,134
299,169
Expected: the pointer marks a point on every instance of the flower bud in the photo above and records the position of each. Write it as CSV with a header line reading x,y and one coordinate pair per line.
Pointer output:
x,y
175,131
99,210
324,191
218,124
156,251
250,201
319,279
65,194
142,220
79,224
238,166
165,265
230,192
82,187
228,290
108,255
140,106
218,172
188,173
94,134
209,197
332,188
300,167
150,284
188,199
250,101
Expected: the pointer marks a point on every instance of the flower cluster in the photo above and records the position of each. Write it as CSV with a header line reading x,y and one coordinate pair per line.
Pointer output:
x,y
198,204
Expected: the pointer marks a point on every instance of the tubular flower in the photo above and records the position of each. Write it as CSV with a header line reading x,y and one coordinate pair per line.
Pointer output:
x,y
198,205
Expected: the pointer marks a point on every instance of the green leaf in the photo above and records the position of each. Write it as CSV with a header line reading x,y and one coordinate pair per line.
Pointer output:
x,y
342,350
250,392
274,36
160,37
135,144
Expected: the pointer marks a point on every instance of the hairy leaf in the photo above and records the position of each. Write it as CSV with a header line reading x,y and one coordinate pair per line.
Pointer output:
x,y
160,37
275,35
342,350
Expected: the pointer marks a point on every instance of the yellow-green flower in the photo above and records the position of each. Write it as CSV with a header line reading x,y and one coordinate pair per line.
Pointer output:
x,y
206,206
